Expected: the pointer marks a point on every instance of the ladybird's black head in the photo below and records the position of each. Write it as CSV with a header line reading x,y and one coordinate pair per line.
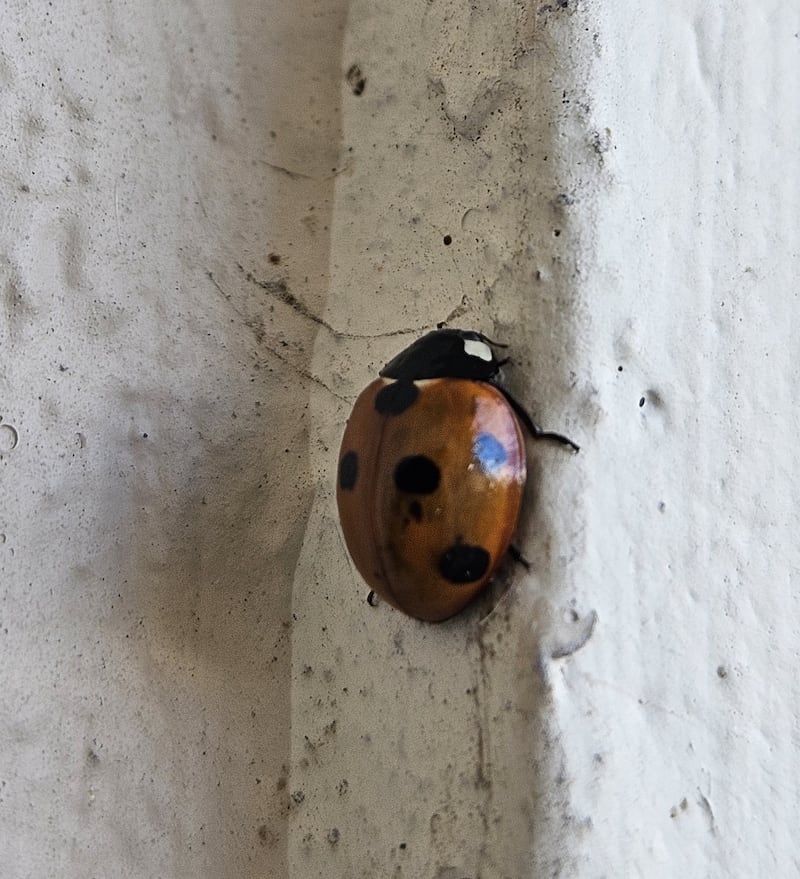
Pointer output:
x,y
445,354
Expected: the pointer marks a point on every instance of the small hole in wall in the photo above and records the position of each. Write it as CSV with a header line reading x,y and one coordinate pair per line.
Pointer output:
x,y
9,437
356,80
556,233
448,240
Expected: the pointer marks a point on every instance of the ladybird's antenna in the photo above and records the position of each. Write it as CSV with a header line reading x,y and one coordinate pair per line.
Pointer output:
x,y
533,429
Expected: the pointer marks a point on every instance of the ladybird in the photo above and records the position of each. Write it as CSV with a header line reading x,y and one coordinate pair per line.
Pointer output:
x,y
431,474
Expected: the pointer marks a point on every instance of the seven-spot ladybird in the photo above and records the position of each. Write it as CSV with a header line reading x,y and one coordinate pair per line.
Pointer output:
x,y
431,474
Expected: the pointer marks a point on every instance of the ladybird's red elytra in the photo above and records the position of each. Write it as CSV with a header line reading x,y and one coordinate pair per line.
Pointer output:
x,y
431,474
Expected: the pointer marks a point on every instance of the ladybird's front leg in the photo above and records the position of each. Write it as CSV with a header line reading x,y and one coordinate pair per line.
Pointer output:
x,y
533,429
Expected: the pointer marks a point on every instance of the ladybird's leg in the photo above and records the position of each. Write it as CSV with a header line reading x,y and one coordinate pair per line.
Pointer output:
x,y
492,342
518,557
535,431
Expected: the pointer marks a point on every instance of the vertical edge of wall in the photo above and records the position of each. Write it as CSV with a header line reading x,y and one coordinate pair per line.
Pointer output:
x,y
467,175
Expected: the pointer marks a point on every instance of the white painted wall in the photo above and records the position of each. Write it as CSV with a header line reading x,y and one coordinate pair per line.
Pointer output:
x,y
208,245
688,694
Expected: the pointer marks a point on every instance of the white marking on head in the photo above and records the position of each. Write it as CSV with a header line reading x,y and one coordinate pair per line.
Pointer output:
x,y
476,348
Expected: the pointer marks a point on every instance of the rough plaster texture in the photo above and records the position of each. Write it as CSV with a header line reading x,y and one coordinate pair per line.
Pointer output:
x,y
680,718
208,245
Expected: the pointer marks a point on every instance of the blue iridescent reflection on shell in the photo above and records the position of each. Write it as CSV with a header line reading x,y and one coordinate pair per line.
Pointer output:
x,y
489,453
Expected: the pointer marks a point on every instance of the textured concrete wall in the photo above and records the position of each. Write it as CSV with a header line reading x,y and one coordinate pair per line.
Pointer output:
x,y
211,238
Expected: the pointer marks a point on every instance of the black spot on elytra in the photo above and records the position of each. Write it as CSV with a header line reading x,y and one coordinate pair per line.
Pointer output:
x,y
463,563
348,471
417,474
396,397
415,511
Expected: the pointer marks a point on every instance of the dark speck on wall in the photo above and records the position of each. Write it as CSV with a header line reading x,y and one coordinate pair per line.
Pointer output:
x,y
356,80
